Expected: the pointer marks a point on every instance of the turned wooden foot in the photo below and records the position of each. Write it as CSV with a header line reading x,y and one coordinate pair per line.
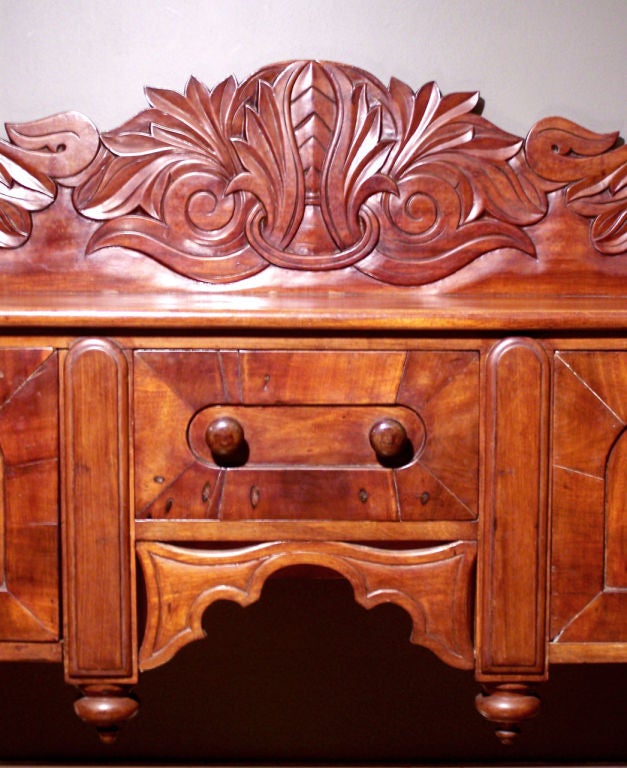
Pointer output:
x,y
106,707
507,705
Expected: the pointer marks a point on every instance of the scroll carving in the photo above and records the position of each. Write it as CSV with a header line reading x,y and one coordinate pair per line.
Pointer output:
x,y
433,585
40,152
563,152
314,166
310,166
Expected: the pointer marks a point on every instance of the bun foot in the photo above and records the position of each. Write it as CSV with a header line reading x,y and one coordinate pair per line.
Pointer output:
x,y
507,705
106,708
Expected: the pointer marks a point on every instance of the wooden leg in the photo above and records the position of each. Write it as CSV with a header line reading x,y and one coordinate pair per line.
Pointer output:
x,y
506,705
512,565
99,555
106,707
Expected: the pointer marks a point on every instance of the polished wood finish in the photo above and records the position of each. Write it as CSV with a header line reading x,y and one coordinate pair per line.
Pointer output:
x,y
99,589
512,578
589,575
313,320
320,426
431,584
507,705
29,469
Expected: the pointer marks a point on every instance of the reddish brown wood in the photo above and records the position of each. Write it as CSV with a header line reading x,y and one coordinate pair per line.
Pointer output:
x,y
98,542
105,707
390,442
38,153
616,520
589,579
513,568
29,467
507,705
309,530
226,441
301,266
317,166
320,434
431,584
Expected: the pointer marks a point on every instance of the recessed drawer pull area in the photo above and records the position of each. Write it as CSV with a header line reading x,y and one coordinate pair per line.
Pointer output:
x,y
288,461
291,436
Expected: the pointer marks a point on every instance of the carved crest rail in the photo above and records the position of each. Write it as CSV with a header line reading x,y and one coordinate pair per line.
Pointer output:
x,y
314,166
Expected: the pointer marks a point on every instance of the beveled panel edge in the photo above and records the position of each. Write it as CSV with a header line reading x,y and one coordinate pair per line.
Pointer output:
x,y
494,627
587,653
15,651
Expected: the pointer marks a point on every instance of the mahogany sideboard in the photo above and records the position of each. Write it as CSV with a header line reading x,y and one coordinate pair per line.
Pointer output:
x,y
310,319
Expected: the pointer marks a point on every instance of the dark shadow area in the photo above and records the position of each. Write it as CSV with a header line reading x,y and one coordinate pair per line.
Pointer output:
x,y
308,676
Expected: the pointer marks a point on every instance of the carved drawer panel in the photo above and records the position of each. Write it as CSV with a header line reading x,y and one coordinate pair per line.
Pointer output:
x,y
252,434
29,604
589,576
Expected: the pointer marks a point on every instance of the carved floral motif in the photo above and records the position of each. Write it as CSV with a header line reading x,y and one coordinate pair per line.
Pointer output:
x,y
313,166
310,166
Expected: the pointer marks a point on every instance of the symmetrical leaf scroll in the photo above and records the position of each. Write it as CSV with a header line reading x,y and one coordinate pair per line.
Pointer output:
x,y
432,585
320,167
315,166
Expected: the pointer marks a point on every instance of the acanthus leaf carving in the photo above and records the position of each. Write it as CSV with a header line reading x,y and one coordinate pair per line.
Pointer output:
x,y
458,197
352,173
313,165
332,169
173,162
313,111
270,157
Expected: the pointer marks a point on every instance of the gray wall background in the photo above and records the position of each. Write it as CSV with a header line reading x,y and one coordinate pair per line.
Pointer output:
x,y
529,58
306,674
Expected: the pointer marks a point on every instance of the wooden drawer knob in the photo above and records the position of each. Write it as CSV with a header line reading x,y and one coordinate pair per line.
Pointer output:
x,y
390,442
226,441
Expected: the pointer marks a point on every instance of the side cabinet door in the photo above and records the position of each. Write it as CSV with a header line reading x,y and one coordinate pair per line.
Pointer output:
x,y
29,603
589,551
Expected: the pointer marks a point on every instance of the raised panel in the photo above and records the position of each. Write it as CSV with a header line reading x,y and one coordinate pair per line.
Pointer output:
x,y
616,516
307,416
29,510
589,562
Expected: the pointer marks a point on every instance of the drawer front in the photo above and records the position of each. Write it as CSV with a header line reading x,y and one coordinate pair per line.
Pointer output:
x,y
314,434
589,542
29,468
